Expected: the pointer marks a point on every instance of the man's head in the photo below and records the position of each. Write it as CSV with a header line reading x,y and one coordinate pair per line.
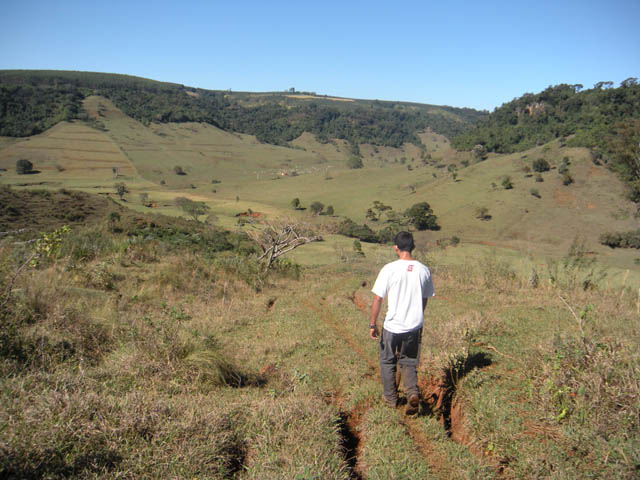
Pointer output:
x,y
404,241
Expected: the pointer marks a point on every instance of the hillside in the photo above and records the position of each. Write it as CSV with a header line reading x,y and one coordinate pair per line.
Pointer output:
x,y
585,118
32,101
146,346
235,172
137,343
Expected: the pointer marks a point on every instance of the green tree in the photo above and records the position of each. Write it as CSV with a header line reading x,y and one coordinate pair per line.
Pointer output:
x,y
192,208
178,170
354,162
144,198
421,216
479,152
380,207
316,207
541,165
295,203
24,166
330,210
357,247
371,215
625,147
121,189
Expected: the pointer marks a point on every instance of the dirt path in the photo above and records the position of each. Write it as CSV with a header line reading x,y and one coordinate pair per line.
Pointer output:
x,y
351,419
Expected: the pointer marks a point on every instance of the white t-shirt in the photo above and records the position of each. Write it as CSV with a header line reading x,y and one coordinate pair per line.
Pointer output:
x,y
406,282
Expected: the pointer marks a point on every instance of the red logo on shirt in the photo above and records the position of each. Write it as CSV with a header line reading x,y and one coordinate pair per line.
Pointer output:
x,y
410,268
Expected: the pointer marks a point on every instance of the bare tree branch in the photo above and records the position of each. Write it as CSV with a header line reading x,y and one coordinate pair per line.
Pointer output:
x,y
280,238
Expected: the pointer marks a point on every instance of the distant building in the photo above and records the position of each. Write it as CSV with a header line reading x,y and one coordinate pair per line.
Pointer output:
x,y
292,90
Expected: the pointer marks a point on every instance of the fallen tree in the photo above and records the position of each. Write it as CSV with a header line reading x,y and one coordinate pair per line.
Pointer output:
x,y
280,238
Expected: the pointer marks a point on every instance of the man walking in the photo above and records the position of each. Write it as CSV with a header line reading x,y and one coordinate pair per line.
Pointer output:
x,y
407,284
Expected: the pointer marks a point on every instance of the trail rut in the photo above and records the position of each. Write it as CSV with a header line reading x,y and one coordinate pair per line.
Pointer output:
x,y
351,419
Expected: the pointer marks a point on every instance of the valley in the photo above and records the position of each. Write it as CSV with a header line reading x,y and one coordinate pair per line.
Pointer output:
x,y
144,339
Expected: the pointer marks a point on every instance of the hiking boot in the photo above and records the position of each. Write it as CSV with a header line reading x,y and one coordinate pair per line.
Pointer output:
x,y
389,403
413,404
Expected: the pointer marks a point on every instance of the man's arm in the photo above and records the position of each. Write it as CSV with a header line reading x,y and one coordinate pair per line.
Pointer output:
x,y
375,310
424,303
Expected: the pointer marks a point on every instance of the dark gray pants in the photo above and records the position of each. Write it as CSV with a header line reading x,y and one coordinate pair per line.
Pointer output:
x,y
399,349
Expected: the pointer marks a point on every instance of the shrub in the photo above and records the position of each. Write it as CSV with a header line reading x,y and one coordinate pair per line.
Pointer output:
x,y
192,208
121,189
354,162
362,232
563,168
316,207
621,239
100,276
483,213
507,184
285,267
357,248
178,170
248,269
589,380
24,166
576,269
567,179
87,244
535,193
448,242
541,165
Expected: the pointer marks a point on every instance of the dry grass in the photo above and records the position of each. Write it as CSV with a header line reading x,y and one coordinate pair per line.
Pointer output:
x,y
143,359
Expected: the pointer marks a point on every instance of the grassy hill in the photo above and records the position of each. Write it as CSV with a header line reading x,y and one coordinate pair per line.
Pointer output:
x,y
139,343
32,101
234,172
144,348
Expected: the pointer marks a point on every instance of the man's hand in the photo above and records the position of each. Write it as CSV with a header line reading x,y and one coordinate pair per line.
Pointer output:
x,y
373,332
375,309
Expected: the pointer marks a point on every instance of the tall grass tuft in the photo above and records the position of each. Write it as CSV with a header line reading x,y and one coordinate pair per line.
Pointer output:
x,y
246,268
576,269
212,366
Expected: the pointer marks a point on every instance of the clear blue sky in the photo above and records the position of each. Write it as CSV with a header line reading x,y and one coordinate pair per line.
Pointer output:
x,y
476,54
